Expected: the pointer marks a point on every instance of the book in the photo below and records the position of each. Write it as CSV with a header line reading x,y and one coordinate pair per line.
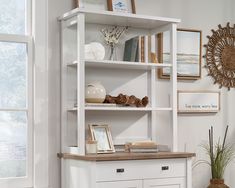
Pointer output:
x,y
145,147
140,49
131,49
145,143
140,148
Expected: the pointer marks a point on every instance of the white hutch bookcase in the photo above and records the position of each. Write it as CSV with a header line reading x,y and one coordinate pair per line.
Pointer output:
x,y
79,27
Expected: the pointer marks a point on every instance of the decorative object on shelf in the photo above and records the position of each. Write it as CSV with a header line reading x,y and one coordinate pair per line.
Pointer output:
x,y
198,101
220,56
220,154
102,134
126,100
111,37
95,93
94,51
91,146
154,58
126,6
189,53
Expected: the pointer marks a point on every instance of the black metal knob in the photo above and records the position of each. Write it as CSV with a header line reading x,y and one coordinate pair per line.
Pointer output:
x,y
165,167
120,170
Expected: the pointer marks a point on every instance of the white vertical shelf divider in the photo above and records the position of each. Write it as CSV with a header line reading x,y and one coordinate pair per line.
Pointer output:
x,y
64,117
153,102
81,83
173,33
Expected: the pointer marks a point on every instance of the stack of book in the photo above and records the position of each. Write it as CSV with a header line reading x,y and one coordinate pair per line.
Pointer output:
x,y
145,147
141,149
139,49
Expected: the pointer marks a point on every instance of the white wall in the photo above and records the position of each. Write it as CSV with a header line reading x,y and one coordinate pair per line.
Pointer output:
x,y
193,129
55,9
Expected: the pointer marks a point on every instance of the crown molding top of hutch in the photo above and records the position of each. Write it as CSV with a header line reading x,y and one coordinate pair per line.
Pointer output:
x,y
121,19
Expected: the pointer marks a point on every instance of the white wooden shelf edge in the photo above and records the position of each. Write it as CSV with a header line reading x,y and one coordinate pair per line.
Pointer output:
x,y
124,19
121,109
121,64
126,109
111,13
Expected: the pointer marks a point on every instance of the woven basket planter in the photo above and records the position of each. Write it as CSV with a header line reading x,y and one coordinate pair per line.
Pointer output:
x,y
217,183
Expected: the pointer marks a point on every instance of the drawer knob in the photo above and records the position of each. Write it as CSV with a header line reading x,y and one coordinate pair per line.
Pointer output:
x,y
120,170
165,167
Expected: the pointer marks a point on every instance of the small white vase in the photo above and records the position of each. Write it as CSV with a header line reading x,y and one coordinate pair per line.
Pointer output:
x,y
95,93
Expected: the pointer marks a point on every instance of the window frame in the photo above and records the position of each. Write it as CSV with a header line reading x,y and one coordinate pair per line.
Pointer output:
x,y
27,181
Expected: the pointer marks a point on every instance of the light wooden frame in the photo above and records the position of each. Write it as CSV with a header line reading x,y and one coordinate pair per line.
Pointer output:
x,y
92,129
76,3
159,44
199,111
133,7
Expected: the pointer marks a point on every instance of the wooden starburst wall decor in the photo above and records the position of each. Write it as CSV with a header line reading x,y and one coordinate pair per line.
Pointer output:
x,y
220,56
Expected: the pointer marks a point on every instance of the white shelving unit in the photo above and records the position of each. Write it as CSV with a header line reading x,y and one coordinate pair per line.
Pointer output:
x,y
79,27
75,28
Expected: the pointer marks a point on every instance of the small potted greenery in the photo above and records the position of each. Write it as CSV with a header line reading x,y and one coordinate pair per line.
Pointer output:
x,y
220,154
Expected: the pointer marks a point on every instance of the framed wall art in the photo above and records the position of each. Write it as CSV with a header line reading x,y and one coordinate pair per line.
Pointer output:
x,y
189,54
102,134
126,6
198,101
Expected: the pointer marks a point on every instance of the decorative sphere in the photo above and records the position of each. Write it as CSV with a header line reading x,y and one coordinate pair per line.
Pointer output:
x,y
94,51
95,93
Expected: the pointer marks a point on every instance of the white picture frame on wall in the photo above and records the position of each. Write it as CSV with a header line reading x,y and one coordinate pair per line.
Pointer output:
x,y
198,101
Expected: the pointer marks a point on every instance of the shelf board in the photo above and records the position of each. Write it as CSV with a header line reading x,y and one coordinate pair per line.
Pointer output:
x,y
72,109
147,109
120,19
121,64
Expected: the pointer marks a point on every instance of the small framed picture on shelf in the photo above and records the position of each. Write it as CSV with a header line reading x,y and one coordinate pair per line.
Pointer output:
x,y
91,4
189,54
102,134
126,6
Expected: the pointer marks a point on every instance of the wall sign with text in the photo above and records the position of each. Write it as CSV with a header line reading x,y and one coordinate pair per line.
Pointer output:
x,y
198,101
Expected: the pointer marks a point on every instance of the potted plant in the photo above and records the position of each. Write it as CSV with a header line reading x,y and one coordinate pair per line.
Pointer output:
x,y
220,154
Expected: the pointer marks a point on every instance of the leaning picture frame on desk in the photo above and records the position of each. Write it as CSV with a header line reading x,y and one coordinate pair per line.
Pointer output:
x,y
125,6
102,134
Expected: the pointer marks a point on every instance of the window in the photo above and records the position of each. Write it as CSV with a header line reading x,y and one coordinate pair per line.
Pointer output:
x,y
15,94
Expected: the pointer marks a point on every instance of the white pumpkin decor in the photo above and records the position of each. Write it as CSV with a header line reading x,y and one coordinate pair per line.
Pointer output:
x,y
95,93
94,51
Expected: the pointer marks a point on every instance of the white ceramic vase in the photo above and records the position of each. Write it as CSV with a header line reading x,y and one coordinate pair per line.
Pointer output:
x,y
95,93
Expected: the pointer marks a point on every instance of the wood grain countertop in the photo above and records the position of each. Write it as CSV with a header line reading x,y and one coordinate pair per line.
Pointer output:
x,y
127,156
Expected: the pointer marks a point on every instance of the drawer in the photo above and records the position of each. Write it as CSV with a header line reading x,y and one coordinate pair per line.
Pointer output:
x,y
120,184
140,169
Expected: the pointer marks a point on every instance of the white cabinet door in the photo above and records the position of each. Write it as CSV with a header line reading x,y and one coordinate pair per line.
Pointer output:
x,y
120,184
165,183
